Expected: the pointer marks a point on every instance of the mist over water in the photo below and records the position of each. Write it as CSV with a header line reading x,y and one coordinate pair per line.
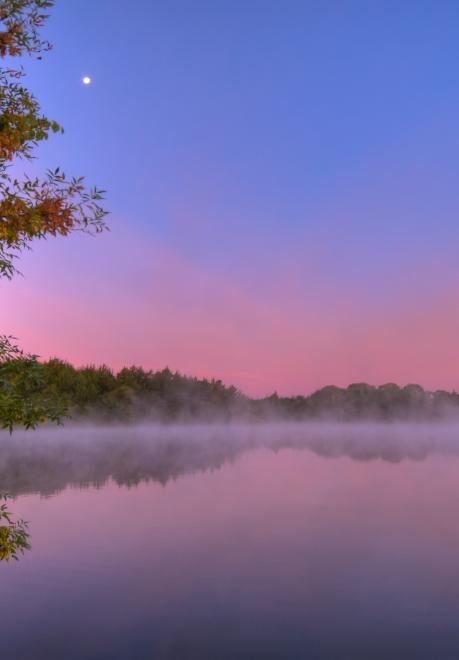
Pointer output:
x,y
49,459
282,540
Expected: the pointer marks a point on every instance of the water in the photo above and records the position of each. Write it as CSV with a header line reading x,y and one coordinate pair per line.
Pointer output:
x,y
281,542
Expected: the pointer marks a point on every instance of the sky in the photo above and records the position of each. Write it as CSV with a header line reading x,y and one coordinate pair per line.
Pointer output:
x,y
282,179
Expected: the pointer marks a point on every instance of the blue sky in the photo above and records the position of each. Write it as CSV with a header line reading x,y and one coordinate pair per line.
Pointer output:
x,y
309,146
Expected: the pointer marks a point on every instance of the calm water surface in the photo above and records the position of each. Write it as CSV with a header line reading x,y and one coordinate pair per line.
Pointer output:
x,y
233,543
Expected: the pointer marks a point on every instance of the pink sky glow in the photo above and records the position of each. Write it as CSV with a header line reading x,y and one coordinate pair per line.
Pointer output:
x,y
111,300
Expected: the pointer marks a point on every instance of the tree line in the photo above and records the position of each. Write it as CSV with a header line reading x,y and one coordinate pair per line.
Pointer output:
x,y
98,393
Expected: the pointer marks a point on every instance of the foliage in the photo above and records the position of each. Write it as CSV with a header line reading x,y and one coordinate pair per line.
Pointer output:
x,y
22,401
364,401
34,208
21,20
14,537
99,394
31,207
135,393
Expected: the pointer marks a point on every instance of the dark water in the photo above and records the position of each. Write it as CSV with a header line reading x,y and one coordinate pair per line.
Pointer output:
x,y
281,542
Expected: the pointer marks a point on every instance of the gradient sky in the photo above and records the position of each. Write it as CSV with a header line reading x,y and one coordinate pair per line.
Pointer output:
x,y
283,182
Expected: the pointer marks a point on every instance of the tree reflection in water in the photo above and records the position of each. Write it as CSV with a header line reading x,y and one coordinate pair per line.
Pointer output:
x,y
46,461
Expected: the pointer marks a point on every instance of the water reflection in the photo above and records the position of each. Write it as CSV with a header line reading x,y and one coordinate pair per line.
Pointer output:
x,y
47,461
280,543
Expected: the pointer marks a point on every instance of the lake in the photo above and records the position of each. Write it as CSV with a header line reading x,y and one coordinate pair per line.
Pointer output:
x,y
280,541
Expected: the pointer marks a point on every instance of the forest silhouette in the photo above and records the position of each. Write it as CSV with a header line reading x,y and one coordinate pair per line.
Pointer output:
x,y
133,394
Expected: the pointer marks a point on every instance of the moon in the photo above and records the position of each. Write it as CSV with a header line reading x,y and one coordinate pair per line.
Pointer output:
x,y
86,80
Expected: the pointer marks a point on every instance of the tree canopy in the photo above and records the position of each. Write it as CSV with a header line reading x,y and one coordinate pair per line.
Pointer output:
x,y
133,394
31,208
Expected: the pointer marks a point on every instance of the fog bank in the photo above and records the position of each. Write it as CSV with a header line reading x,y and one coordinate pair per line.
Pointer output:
x,y
48,460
